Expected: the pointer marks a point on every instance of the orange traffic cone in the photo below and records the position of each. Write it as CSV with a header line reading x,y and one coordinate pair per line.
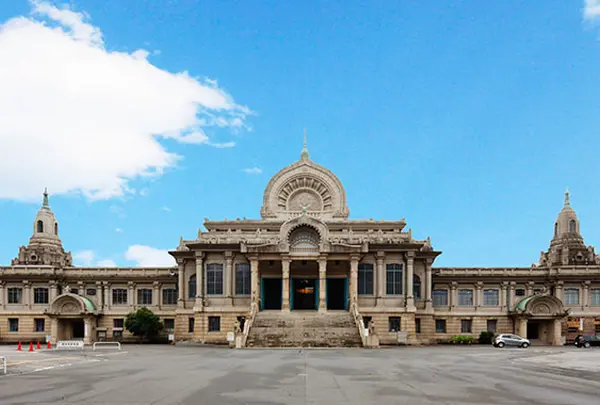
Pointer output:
x,y
19,347
30,346
49,345
38,345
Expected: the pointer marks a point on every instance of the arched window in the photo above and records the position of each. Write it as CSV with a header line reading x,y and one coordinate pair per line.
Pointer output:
x,y
40,226
416,287
192,287
56,228
555,228
572,226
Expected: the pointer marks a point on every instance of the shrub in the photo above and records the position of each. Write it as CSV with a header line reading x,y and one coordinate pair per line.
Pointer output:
x,y
486,337
143,323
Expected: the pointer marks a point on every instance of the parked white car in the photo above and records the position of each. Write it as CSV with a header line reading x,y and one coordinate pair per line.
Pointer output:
x,y
508,339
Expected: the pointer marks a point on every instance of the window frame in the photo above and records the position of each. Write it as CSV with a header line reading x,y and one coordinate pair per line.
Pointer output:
x,y
36,323
567,301
445,296
443,323
460,302
366,275
119,293
16,293
192,287
13,322
495,323
242,279
595,293
392,322
44,292
214,324
214,279
394,275
142,296
170,293
486,298
466,326
191,324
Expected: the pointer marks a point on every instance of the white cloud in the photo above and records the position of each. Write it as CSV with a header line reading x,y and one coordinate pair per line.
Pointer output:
x,y
119,211
165,208
79,118
591,9
84,258
118,230
147,256
106,263
252,170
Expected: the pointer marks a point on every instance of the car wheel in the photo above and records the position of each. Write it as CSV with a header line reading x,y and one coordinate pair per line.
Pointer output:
x,y
525,345
586,345
501,345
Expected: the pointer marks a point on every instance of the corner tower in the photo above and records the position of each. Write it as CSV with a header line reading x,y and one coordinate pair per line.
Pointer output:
x,y
45,246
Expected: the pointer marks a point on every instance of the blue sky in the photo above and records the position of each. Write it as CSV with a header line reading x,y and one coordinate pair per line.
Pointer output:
x,y
469,119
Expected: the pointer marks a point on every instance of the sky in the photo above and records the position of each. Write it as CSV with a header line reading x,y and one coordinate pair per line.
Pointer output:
x,y
468,119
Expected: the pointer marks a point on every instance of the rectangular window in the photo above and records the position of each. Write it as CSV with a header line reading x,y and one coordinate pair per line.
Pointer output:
x,y
40,325
366,320
597,325
169,324
144,296
365,279
214,279
242,279
595,292
14,295
214,323
40,295
440,298
393,279
119,296
13,324
394,324
74,291
571,296
492,325
491,298
118,323
465,297
191,322
90,291
520,292
169,296
466,326
418,325
440,326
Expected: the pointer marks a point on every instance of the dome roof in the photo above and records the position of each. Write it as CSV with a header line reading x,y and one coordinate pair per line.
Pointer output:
x,y
304,186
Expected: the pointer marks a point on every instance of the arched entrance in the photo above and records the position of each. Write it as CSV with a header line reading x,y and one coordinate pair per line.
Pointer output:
x,y
73,317
539,317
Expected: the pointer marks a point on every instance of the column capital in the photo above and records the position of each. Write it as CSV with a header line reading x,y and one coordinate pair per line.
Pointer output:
x,y
156,283
199,254
355,257
131,283
98,283
428,262
181,261
454,285
586,283
380,254
410,255
504,285
559,283
26,283
479,285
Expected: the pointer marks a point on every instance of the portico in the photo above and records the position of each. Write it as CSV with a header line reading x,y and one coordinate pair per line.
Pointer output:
x,y
72,316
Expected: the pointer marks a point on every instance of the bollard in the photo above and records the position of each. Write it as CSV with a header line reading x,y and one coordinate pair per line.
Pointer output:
x,y
38,345
30,346
49,345
19,347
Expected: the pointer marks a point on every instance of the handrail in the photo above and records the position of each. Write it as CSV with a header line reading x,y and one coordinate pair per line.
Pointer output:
x,y
106,343
359,323
3,360
249,322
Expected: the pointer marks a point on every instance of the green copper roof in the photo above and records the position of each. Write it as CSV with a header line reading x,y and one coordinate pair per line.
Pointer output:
x,y
523,303
89,304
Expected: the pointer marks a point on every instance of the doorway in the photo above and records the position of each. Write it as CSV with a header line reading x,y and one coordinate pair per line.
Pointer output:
x,y
337,293
305,293
533,330
270,292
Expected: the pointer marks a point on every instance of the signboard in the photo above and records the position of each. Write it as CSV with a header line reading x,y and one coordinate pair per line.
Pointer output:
x,y
171,337
48,338
230,336
573,324
69,344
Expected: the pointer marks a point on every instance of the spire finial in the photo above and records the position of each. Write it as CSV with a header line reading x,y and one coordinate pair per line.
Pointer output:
x,y
304,155
45,202
567,198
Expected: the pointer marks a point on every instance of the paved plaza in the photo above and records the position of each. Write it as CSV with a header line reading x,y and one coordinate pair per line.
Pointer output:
x,y
211,375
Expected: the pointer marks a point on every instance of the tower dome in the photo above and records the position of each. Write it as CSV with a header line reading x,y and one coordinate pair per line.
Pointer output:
x,y
45,246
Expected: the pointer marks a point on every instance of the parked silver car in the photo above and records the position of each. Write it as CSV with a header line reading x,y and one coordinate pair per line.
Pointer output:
x,y
508,339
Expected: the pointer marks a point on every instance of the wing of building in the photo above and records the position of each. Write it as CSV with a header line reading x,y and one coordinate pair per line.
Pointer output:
x,y
303,274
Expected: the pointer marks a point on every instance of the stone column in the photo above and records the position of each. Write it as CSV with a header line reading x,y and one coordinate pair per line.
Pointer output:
x,y
586,295
199,280
409,293
2,295
380,278
131,294
478,294
27,294
428,285
453,296
54,330
99,295
107,296
254,280
285,292
558,291
156,296
503,291
52,291
228,276
353,282
322,284
181,283
88,330
557,333
512,296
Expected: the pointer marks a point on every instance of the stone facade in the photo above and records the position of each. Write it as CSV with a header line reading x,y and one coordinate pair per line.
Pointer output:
x,y
304,254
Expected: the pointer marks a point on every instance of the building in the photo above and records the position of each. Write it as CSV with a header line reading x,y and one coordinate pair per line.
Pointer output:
x,y
304,255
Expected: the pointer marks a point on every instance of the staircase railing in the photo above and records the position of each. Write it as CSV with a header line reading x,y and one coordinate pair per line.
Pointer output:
x,y
359,323
249,322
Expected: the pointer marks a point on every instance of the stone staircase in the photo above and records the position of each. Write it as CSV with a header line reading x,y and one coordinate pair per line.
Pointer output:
x,y
304,329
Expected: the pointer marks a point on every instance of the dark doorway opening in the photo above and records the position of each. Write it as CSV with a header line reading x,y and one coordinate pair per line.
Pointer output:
x,y
78,329
533,330
271,293
305,293
336,293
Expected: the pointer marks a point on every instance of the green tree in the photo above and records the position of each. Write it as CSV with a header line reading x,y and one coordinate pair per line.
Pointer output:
x,y
143,323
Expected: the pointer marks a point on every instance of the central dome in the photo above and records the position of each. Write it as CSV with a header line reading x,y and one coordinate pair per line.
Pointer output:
x,y
304,186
